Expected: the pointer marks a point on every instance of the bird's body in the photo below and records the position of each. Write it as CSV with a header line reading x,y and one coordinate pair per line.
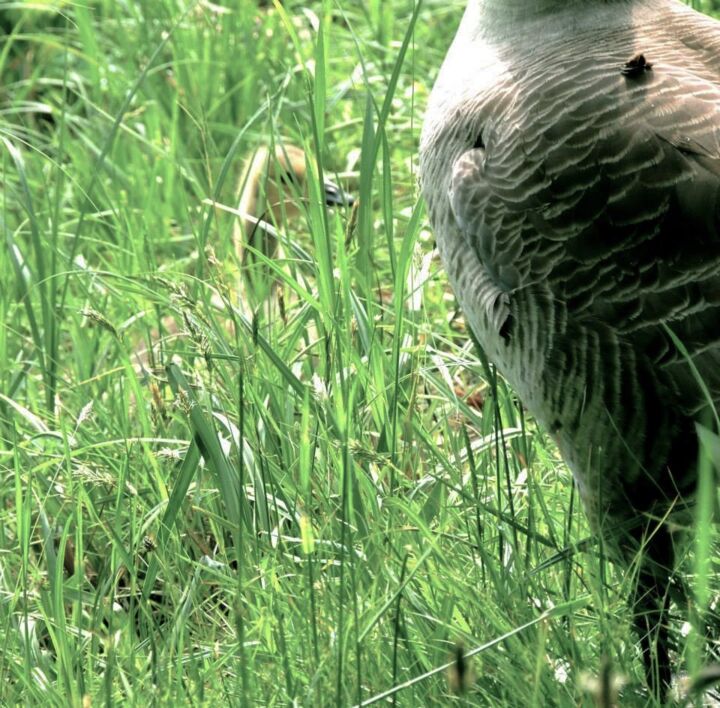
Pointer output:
x,y
270,187
271,190
571,164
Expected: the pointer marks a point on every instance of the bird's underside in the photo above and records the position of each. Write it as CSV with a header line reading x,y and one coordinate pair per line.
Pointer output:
x,y
581,231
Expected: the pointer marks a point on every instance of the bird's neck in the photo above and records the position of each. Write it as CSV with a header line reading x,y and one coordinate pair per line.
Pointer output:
x,y
497,19
513,8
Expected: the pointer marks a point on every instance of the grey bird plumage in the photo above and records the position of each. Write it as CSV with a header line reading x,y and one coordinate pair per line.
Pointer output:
x,y
571,164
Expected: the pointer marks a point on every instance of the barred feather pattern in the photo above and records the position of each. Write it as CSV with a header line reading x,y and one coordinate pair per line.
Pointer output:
x,y
576,207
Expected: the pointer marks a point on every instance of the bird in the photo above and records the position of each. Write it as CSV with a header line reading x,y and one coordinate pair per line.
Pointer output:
x,y
570,161
271,188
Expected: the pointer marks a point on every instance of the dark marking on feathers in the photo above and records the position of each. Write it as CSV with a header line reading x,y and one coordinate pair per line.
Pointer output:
x,y
289,178
637,66
506,329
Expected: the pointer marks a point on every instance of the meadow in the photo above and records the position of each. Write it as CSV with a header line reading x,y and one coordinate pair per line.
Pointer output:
x,y
323,501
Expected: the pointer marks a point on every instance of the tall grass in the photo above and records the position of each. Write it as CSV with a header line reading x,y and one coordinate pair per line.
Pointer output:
x,y
311,505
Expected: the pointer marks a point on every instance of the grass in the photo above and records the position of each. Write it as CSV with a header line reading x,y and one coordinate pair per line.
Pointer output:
x,y
310,509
